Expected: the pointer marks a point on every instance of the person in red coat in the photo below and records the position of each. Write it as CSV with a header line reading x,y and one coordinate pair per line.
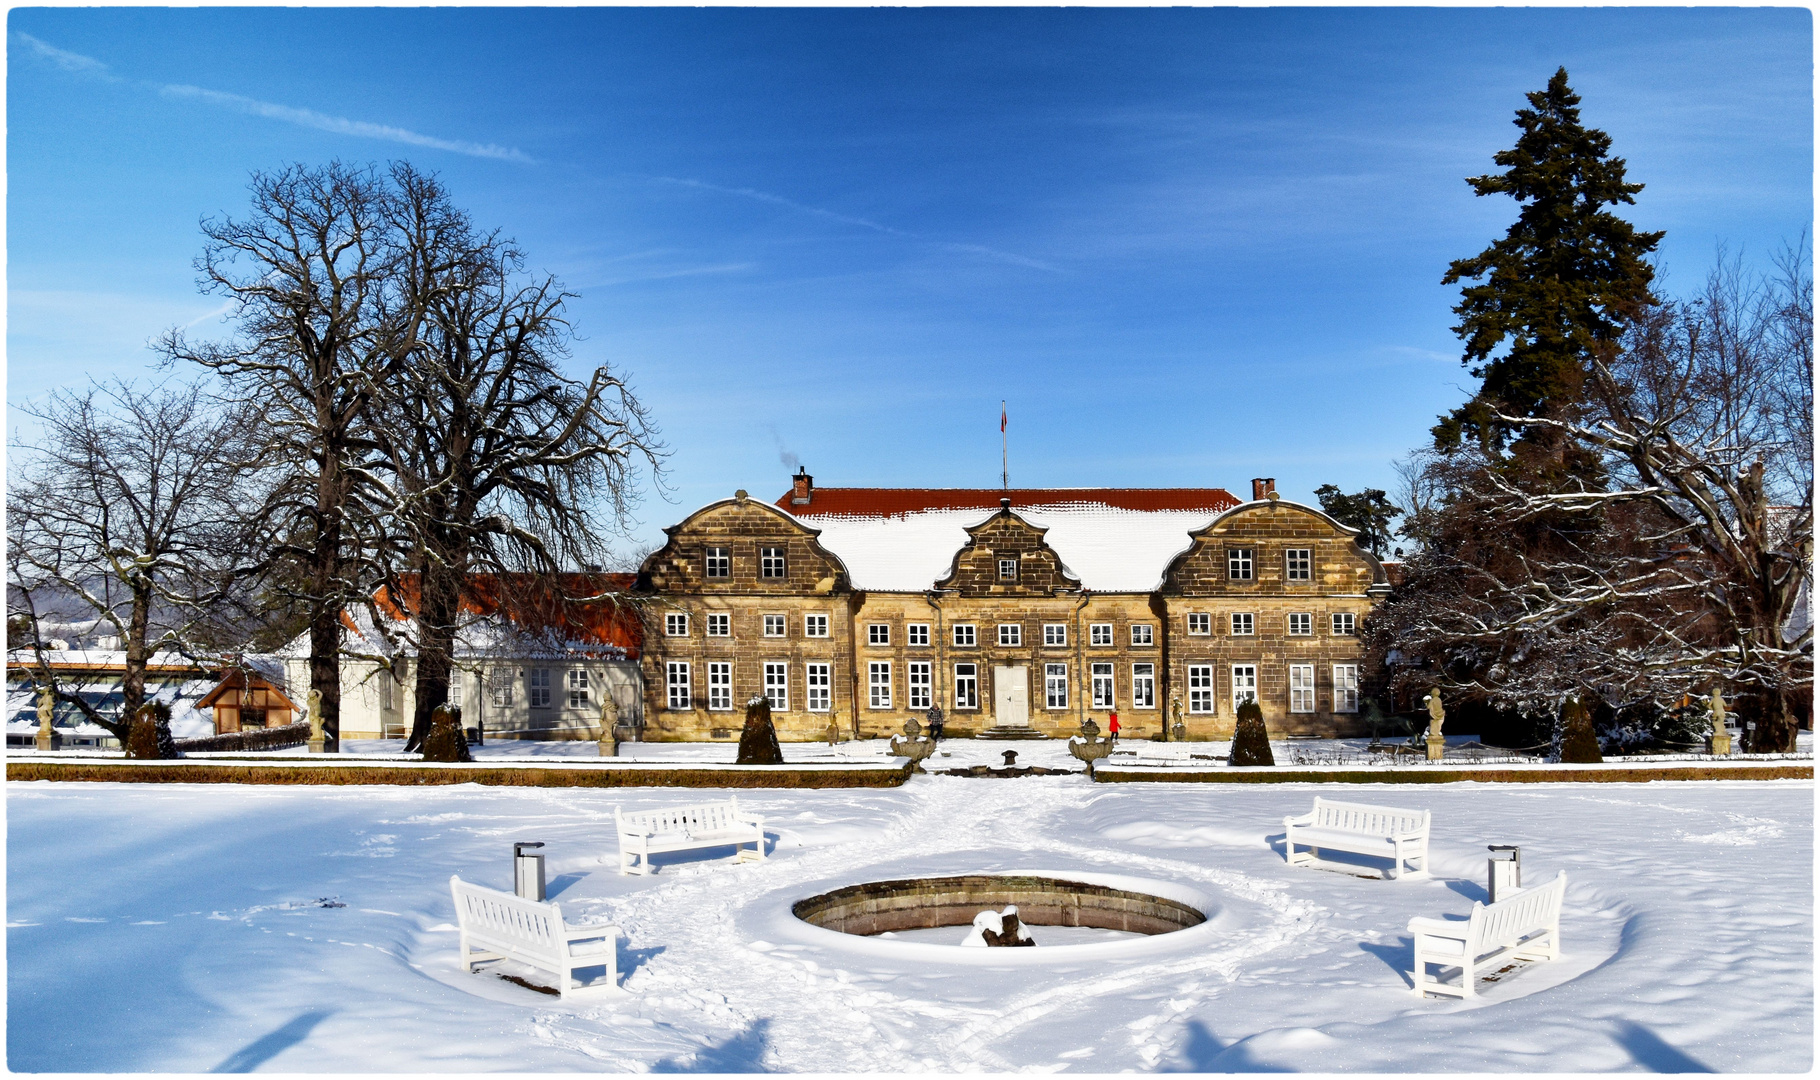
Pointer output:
x,y
1112,727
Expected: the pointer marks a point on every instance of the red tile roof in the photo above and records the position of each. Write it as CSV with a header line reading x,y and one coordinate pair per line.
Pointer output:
x,y
891,502
538,604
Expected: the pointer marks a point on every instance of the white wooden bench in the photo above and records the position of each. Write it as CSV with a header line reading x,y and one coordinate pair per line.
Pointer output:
x,y
1359,828
1524,926
501,926
645,832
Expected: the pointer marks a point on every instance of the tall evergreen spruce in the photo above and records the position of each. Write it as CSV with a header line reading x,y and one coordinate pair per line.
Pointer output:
x,y
1561,285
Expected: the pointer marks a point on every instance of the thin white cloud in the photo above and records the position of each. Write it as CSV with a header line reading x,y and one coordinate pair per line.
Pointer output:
x,y
75,63
88,66
864,223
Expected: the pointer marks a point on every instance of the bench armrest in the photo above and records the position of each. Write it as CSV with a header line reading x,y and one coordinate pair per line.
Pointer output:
x,y
590,930
1299,819
1440,928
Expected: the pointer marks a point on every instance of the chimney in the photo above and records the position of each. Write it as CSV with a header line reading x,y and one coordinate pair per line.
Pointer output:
x,y
1263,487
800,487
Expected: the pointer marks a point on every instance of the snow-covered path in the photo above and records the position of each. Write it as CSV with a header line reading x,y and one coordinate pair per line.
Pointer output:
x,y
182,929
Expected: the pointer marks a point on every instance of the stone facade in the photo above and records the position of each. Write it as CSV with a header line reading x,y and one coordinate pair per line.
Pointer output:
x,y
1008,636
776,616
1269,599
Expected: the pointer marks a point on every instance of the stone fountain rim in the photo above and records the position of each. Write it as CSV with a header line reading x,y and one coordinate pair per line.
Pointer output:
x,y
776,921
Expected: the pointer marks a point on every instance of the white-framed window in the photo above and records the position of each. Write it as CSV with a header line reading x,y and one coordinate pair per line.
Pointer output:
x,y
579,696
966,686
1301,624
878,633
1143,686
1103,689
1007,569
919,678
388,692
537,687
1099,633
1346,688
499,689
964,634
676,684
456,680
1244,623
717,562
1142,633
720,625
1244,684
815,626
1298,564
878,684
1200,688
720,686
916,633
820,679
777,685
1301,688
1238,564
1344,624
770,562
1010,633
1055,686
1054,634
676,624
774,626
1200,623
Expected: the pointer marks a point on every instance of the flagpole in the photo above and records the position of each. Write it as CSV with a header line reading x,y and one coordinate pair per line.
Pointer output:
x,y
1004,449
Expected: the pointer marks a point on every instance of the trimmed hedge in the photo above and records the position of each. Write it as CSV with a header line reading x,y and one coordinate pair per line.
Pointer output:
x,y
411,775
1614,775
276,738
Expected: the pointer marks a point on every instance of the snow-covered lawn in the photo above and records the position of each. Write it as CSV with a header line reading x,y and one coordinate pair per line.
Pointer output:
x,y
309,929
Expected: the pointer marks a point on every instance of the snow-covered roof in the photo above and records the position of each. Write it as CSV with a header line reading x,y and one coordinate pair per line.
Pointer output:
x,y
98,660
1109,548
484,637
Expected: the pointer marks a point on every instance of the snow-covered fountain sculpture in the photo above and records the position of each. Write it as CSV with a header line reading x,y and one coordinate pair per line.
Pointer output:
x,y
1088,746
913,744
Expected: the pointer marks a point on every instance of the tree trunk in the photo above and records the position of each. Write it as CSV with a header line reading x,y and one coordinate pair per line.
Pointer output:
x,y
438,605
1774,730
137,625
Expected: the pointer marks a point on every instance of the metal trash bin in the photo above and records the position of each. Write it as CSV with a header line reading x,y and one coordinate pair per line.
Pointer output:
x,y
527,870
1504,870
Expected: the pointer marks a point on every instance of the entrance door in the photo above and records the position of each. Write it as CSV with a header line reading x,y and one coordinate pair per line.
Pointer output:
x,y
1011,696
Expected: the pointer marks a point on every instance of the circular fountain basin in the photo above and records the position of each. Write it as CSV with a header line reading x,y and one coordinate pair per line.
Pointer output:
x,y
879,907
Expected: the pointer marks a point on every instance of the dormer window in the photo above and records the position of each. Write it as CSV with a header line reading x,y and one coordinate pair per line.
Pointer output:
x,y
1007,569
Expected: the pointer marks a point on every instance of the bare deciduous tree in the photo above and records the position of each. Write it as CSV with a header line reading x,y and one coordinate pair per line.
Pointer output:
x,y
496,461
328,306
129,507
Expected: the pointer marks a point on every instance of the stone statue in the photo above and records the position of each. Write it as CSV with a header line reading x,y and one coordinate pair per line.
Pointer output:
x,y
1178,730
315,707
1720,744
609,726
1088,746
48,738
1437,745
913,744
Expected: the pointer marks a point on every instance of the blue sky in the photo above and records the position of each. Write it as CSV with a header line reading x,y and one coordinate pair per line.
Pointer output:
x,y
1188,246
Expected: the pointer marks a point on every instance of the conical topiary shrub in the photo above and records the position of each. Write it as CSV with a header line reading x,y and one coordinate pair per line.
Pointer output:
x,y
446,741
1574,735
1250,742
758,742
150,737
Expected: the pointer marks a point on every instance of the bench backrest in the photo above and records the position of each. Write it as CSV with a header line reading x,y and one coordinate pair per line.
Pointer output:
x,y
1518,914
706,817
1367,819
538,925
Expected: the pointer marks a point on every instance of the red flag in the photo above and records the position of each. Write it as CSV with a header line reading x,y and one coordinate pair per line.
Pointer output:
x,y
1001,418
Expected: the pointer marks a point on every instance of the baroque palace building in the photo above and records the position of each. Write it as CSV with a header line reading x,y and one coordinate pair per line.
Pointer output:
x,y
861,607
